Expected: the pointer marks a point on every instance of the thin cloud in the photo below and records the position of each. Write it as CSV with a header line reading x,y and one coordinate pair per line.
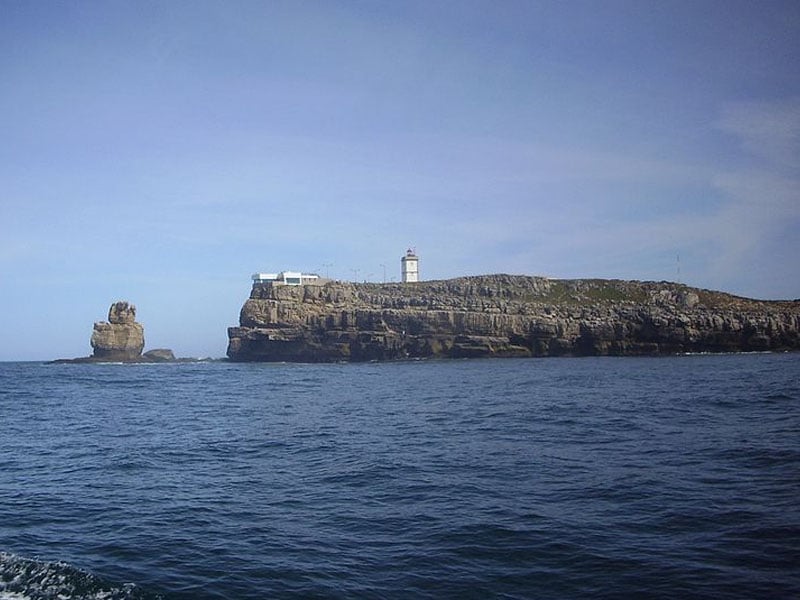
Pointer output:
x,y
767,129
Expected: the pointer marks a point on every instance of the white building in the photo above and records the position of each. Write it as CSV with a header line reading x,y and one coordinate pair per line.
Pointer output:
x,y
286,278
410,267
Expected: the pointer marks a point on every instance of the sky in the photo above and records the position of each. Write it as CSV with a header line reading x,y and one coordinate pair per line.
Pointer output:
x,y
162,152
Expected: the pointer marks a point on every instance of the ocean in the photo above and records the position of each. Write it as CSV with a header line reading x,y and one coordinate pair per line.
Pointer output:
x,y
669,477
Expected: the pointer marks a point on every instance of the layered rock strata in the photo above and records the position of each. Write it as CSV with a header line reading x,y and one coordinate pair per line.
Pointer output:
x,y
503,315
121,338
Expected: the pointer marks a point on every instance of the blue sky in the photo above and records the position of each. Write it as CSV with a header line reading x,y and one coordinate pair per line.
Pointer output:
x,y
161,152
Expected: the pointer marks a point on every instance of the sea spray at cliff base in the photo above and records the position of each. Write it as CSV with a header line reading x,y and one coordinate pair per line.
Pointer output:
x,y
551,478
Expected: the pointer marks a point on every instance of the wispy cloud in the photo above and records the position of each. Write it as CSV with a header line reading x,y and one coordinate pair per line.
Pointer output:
x,y
768,129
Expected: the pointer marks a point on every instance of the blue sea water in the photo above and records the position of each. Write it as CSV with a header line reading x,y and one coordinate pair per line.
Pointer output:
x,y
547,478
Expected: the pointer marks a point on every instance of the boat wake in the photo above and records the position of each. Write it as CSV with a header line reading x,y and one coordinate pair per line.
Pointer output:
x,y
28,579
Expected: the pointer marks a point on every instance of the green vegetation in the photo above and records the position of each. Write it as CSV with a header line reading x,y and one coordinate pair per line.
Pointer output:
x,y
587,292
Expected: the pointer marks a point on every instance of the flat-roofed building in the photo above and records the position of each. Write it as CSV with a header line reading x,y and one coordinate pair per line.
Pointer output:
x,y
287,278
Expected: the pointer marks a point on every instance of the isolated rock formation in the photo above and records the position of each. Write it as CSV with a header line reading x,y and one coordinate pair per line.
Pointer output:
x,y
503,315
159,355
121,338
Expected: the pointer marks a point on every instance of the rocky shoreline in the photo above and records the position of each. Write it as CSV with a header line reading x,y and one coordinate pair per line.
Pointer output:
x,y
503,316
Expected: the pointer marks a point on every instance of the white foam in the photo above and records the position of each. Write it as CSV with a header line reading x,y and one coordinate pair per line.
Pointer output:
x,y
20,576
13,596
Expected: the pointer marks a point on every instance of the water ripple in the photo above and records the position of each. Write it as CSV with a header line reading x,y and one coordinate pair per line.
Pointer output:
x,y
601,478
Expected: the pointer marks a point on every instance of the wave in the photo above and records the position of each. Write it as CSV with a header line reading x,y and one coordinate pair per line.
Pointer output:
x,y
30,579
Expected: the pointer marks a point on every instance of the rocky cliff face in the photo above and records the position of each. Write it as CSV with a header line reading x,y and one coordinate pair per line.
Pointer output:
x,y
503,315
121,338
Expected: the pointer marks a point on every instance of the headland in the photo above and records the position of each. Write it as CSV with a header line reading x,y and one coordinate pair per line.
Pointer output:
x,y
502,316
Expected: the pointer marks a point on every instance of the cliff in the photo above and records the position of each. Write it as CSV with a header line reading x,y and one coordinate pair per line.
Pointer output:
x,y
503,315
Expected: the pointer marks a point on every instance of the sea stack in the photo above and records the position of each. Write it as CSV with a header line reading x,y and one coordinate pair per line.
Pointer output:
x,y
121,338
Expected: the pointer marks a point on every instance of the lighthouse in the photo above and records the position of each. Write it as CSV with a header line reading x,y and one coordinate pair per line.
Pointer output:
x,y
410,267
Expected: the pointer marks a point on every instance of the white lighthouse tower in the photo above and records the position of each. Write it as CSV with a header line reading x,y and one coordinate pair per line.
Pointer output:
x,y
410,267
